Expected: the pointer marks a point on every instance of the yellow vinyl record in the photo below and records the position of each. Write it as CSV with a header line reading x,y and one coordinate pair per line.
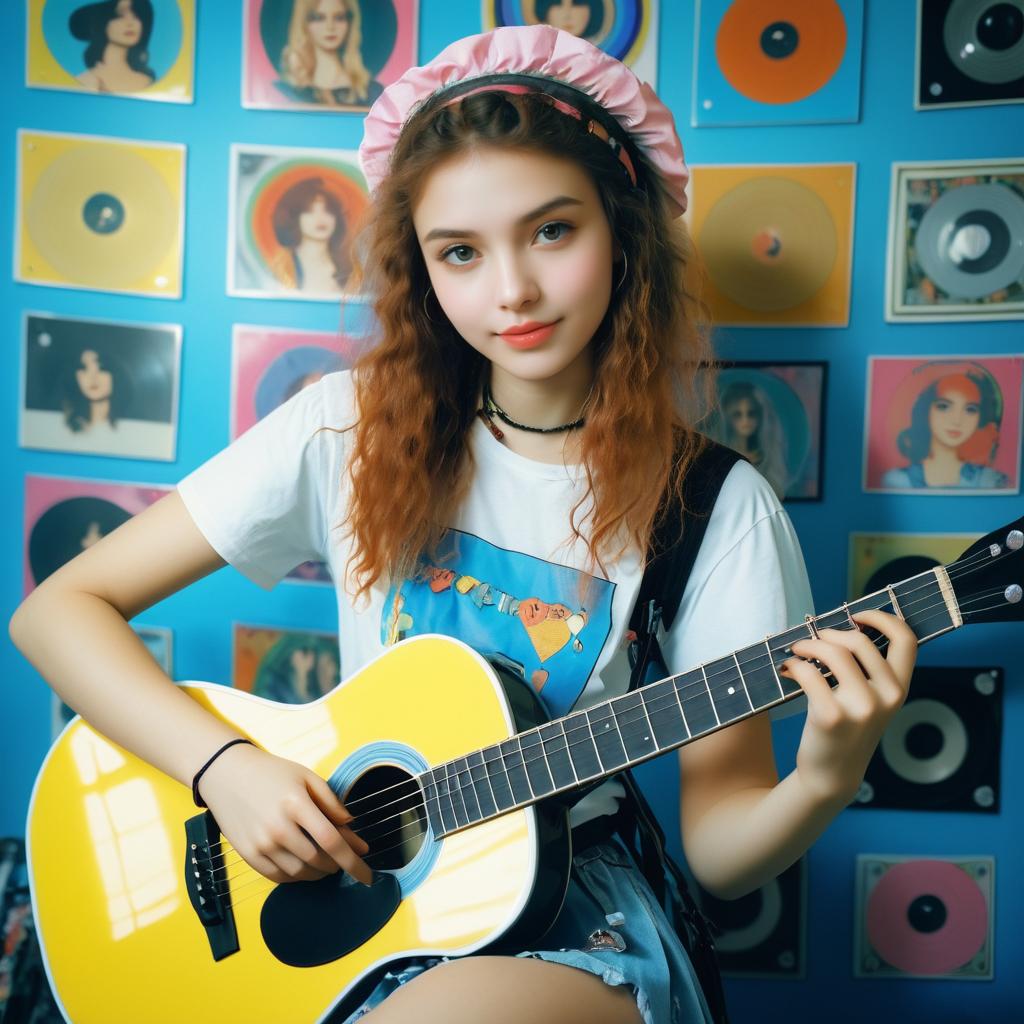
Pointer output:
x,y
104,214
775,242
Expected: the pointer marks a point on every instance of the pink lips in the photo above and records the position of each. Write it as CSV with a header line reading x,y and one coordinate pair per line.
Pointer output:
x,y
528,335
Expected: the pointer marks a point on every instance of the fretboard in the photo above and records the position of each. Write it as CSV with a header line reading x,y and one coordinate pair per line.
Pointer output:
x,y
587,746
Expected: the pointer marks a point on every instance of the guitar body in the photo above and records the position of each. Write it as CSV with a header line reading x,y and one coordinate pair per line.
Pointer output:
x,y
107,852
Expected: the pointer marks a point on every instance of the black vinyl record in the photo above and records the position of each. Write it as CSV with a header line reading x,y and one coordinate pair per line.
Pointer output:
x,y
941,750
970,51
762,934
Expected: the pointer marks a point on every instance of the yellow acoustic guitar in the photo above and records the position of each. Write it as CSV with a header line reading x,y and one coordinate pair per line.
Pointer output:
x,y
144,914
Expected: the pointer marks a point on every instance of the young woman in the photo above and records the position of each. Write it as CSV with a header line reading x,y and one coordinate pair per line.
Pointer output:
x,y
492,468
748,423
117,57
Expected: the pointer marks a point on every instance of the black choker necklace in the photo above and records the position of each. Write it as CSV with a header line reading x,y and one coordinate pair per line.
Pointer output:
x,y
491,406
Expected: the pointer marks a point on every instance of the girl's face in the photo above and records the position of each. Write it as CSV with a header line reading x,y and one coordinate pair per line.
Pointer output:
x,y
953,417
742,417
317,222
568,16
327,24
514,239
95,382
125,28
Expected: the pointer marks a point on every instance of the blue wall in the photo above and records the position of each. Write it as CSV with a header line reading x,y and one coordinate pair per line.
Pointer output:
x,y
889,130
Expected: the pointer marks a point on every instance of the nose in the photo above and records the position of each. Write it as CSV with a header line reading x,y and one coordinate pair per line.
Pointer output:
x,y
517,285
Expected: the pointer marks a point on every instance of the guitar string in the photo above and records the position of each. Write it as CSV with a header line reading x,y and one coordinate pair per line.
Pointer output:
x,y
881,642
649,706
619,719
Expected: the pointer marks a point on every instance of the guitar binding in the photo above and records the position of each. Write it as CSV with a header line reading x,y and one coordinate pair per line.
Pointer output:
x,y
212,907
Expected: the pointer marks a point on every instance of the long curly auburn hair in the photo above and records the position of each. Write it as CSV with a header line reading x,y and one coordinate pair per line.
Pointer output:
x,y
418,387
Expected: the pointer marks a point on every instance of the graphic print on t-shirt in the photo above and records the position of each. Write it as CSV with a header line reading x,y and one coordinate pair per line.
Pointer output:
x,y
506,602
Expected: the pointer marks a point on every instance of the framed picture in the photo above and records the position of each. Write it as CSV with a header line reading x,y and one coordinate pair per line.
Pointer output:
x,y
100,387
291,666
943,425
956,241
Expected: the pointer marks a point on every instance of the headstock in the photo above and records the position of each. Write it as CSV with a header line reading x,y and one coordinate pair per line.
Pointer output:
x,y
988,578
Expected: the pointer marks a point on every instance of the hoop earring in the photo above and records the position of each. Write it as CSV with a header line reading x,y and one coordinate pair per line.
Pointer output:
x,y
426,295
625,269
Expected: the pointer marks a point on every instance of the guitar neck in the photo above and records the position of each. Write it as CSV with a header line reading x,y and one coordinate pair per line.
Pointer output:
x,y
587,746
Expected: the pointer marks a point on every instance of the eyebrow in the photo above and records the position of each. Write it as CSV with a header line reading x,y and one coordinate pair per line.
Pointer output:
x,y
551,204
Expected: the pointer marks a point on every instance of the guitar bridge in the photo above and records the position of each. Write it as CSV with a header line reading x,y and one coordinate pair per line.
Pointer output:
x,y
210,899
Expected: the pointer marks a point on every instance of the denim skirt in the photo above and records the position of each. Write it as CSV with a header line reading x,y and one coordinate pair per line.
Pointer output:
x,y
611,925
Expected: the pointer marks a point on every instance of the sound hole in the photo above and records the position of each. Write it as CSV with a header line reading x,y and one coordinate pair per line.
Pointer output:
x,y
387,805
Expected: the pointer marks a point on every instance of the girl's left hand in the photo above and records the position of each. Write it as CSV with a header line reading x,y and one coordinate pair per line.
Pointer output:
x,y
845,723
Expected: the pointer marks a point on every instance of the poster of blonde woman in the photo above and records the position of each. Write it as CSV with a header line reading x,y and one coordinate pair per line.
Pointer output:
x,y
142,49
292,218
943,425
333,55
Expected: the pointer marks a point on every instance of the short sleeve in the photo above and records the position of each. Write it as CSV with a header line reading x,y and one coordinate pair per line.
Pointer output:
x,y
749,580
260,502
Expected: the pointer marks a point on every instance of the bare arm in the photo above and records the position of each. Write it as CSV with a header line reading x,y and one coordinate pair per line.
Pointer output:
x,y
74,629
742,826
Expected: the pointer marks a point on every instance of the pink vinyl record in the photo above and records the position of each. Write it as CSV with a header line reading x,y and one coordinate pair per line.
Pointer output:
x,y
927,917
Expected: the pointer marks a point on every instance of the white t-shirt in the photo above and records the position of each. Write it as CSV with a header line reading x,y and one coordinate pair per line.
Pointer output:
x,y
507,581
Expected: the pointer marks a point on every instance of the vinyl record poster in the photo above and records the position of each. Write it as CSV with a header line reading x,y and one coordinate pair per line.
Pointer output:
x,y
293,215
880,559
777,62
944,425
66,515
956,241
99,213
924,917
776,242
941,750
969,53
100,387
290,666
626,29
772,414
326,55
140,49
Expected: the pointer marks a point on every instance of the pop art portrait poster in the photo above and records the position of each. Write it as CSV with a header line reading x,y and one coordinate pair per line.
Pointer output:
x,y
141,49
293,215
943,425
66,515
290,666
325,55
99,387
771,413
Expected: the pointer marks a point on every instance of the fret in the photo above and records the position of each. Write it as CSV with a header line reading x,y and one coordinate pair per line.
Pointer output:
x,y
635,728
467,788
665,713
696,702
586,761
447,808
781,645
838,618
482,787
565,737
771,661
555,746
497,775
726,689
743,682
519,781
707,687
455,792
924,605
762,681
606,737
433,804
538,772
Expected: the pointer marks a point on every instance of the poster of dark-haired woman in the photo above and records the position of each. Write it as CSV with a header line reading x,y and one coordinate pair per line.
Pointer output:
x,y
333,55
99,387
144,49
291,666
293,215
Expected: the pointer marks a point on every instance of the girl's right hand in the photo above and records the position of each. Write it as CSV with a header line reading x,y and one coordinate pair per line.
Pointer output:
x,y
284,820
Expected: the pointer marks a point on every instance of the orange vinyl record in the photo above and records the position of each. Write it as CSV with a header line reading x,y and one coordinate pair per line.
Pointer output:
x,y
775,242
780,51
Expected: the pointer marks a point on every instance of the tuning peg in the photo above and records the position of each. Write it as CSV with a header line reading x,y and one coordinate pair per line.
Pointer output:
x,y
1013,593
1014,540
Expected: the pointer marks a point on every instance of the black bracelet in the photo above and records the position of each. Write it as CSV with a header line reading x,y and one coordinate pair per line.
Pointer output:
x,y
199,801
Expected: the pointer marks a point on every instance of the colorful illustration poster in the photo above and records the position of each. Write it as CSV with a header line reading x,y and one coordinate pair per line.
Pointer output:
x,y
141,49
776,242
291,666
772,414
100,387
100,213
878,560
66,515
943,425
627,29
326,55
293,215
956,241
